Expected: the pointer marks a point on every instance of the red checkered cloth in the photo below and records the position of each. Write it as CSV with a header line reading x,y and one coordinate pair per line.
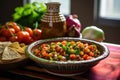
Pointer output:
x,y
109,68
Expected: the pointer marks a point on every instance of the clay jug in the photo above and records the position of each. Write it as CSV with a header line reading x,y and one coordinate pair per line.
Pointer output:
x,y
53,22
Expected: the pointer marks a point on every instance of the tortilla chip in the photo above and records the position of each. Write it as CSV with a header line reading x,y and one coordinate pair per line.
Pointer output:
x,y
19,50
1,49
3,45
10,54
18,47
14,45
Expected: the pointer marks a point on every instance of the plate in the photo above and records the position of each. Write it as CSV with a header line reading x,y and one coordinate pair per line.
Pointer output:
x,y
13,63
12,55
59,74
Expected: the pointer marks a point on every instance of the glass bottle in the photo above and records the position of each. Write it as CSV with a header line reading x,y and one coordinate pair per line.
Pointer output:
x,y
53,23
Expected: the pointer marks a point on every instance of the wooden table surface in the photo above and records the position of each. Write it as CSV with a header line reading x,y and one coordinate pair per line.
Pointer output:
x,y
107,69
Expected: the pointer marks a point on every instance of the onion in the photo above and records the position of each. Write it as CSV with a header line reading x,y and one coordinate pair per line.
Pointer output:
x,y
93,33
73,26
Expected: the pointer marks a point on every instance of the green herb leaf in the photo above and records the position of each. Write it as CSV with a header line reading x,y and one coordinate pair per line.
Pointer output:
x,y
29,14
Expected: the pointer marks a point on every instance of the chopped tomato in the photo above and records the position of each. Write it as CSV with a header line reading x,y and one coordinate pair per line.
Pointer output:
x,y
72,56
45,54
85,56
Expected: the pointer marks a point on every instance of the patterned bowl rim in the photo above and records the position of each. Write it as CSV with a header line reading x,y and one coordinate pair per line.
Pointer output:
x,y
41,60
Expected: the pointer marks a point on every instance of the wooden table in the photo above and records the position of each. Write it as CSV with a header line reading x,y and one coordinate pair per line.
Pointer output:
x,y
107,69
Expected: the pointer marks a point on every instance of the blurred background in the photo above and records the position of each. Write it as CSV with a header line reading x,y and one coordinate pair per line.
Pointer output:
x,y
104,14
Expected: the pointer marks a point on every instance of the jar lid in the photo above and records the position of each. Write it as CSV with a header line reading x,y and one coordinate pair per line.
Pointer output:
x,y
53,3
53,6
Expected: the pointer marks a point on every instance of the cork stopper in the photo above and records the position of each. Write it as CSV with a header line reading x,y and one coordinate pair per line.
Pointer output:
x,y
53,6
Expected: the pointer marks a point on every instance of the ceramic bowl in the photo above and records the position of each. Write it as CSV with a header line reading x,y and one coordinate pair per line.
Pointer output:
x,y
67,68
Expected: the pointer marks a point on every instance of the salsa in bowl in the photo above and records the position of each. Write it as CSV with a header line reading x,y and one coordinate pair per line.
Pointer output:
x,y
66,51
67,56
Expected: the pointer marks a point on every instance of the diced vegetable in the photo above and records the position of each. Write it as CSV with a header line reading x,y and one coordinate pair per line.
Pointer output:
x,y
66,50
